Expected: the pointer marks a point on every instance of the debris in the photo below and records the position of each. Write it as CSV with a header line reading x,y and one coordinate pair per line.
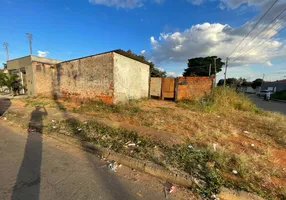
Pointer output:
x,y
246,132
79,129
171,189
252,145
31,130
131,145
54,127
234,172
119,165
214,197
138,194
5,118
113,166
53,121
214,145
190,146
84,122
218,116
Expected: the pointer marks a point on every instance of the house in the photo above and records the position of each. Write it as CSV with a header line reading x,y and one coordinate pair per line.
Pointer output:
x,y
28,68
112,77
274,86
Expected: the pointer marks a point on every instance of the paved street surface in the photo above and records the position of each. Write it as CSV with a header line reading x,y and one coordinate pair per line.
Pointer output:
x,y
269,105
33,167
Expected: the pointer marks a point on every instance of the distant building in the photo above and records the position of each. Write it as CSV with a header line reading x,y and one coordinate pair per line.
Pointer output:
x,y
112,77
274,86
27,69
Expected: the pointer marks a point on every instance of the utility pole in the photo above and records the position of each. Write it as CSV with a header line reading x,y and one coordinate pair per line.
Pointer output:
x,y
6,48
210,69
215,70
30,38
226,65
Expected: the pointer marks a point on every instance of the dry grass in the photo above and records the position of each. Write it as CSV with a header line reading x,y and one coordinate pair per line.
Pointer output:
x,y
247,138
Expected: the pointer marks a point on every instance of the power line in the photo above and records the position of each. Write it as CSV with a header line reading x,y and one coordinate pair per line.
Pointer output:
x,y
250,50
30,38
6,48
253,27
263,29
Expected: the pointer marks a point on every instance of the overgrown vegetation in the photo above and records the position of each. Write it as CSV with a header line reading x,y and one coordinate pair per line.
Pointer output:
x,y
249,140
221,100
281,95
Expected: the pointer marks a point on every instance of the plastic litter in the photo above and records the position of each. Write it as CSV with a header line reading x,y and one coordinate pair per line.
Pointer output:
x,y
84,122
131,145
214,197
246,132
113,166
252,145
234,172
54,127
31,130
79,129
190,146
5,118
53,121
214,145
171,189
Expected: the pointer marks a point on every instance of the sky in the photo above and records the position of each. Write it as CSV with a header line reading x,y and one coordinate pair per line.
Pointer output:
x,y
167,32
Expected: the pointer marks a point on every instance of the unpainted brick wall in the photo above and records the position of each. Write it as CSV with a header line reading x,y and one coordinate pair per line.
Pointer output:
x,y
81,79
85,78
193,87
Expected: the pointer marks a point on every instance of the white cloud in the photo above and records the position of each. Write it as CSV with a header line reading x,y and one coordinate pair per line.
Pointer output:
x,y
171,74
161,69
216,39
128,4
196,2
143,52
43,53
268,63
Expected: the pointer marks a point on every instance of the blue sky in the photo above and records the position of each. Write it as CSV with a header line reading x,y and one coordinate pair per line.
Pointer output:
x,y
167,31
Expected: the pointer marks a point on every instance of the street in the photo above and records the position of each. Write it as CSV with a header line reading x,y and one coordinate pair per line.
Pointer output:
x,y
273,106
33,166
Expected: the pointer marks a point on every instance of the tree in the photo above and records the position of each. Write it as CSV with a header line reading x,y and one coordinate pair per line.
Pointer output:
x,y
4,66
200,66
230,82
9,80
155,72
257,83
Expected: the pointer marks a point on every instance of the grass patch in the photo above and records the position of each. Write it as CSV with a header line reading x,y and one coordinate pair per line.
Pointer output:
x,y
196,162
221,100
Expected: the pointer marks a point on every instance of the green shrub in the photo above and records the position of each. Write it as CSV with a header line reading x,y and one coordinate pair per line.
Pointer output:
x,y
279,95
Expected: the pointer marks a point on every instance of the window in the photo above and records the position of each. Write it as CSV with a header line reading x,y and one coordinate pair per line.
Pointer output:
x,y
38,68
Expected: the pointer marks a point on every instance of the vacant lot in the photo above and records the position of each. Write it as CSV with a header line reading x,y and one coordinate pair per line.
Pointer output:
x,y
233,143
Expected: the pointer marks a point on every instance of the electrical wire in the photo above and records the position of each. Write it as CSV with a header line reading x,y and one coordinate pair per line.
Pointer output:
x,y
253,27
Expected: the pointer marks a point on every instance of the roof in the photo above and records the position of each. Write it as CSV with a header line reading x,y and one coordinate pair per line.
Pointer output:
x,y
279,81
119,51
32,58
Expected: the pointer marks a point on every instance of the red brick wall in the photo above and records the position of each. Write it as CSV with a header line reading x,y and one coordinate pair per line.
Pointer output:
x,y
193,87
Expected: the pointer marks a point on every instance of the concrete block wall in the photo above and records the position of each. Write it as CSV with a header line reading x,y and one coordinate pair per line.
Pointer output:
x,y
43,78
193,87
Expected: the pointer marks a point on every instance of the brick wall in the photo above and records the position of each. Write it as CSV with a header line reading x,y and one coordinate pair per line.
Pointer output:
x,y
193,87
85,78
43,78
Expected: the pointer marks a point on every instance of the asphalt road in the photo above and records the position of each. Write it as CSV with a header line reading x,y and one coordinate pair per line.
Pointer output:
x,y
273,106
33,167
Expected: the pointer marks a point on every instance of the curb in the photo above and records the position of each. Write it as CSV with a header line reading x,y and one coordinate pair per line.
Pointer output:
x,y
143,166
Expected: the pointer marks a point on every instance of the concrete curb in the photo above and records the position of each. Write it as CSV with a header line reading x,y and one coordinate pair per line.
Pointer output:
x,y
140,165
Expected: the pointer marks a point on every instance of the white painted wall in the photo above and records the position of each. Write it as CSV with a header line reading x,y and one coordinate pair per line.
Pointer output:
x,y
131,79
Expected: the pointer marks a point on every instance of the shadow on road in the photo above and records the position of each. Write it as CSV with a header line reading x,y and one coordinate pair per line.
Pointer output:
x,y
5,103
28,181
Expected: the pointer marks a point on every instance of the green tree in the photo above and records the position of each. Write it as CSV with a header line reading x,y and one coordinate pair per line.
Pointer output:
x,y
257,83
155,72
4,65
200,66
9,80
